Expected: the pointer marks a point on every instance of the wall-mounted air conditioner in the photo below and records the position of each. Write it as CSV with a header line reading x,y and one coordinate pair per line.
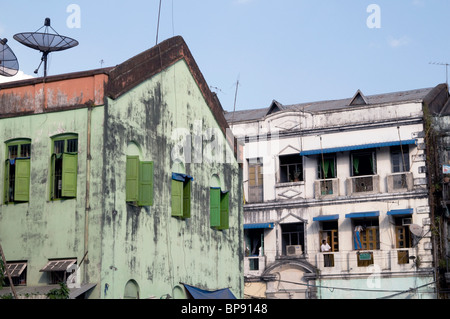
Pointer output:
x,y
406,221
294,250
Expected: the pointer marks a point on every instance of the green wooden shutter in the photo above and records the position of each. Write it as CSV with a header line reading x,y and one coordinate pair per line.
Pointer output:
x,y
187,199
214,207
6,189
224,211
132,179
69,175
145,184
22,180
177,198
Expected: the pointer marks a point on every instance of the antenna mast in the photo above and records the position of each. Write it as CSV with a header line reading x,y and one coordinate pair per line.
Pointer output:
x,y
446,69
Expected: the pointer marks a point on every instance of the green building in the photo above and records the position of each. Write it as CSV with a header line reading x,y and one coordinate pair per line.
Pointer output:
x,y
124,182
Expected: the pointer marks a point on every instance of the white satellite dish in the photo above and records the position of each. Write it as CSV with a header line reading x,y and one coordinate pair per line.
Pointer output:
x,y
417,230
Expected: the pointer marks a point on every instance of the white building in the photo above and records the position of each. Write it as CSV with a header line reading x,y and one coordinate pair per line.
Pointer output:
x,y
319,170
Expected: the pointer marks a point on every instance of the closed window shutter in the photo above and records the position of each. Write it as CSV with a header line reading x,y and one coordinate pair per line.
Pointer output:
x,y
177,198
22,182
69,175
132,179
187,199
224,211
214,207
145,184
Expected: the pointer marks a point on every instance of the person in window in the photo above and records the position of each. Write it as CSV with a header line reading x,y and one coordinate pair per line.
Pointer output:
x,y
357,238
326,248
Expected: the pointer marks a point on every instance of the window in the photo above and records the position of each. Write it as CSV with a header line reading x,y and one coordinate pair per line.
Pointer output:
x,y
292,235
403,237
291,168
329,233
219,208
58,269
17,171
400,159
64,167
181,195
364,163
255,181
327,167
139,182
18,273
366,234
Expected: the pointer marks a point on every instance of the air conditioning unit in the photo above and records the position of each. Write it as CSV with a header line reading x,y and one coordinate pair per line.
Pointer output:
x,y
294,250
406,221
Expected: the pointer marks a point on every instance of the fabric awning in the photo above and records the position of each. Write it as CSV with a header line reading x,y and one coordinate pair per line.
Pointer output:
x,y
356,147
198,293
181,177
325,218
259,226
363,215
58,265
399,212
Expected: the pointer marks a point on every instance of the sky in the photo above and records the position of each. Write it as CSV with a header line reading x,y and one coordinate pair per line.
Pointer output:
x,y
252,52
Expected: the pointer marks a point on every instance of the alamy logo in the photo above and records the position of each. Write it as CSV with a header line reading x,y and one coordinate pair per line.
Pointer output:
x,y
374,19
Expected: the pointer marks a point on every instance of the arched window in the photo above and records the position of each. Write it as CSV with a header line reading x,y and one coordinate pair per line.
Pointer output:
x,y
139,177
131,290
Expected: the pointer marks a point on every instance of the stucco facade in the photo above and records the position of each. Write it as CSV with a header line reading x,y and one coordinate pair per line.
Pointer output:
x,y
316,171
147,109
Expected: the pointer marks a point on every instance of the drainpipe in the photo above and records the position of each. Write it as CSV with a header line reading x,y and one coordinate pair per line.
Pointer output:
x,y
87,203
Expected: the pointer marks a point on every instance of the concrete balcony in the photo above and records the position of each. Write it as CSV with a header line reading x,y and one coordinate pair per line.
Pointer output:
x,y
254,265
400,182
363,185
326,188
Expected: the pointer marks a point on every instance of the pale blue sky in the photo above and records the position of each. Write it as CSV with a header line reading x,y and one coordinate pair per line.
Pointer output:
x,y
292,51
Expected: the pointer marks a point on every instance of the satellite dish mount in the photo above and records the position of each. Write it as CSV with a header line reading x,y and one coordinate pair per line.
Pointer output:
x,y
45,42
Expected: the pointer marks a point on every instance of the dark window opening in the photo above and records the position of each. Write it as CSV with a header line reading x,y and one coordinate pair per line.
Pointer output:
x,y
291,168
327,167
292,238
364,163
400,159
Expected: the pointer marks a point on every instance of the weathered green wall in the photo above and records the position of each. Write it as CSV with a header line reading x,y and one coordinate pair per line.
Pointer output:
x,y
146,244
42,229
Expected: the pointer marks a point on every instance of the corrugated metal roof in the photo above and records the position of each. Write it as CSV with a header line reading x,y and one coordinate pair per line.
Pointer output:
x,y
331,105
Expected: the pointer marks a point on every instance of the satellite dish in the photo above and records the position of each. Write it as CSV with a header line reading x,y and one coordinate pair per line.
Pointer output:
x,y
416,230
9,66
45,42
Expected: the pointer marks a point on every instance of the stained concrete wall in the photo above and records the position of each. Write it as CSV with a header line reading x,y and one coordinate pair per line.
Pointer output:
x,y
146,244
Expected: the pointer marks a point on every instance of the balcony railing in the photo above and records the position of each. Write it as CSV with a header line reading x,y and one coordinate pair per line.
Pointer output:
x,y
254,265
400,182
363,184
326,188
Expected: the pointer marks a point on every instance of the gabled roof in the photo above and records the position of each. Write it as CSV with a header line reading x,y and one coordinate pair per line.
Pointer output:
x,y
419,95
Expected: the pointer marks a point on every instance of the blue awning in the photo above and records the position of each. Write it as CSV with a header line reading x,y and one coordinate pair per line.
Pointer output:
x,y
259,226
397,212
325,218
181,177
198,293
363,215
356,147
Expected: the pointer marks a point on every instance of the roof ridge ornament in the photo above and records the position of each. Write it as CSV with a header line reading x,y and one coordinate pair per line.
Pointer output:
x,y
358,99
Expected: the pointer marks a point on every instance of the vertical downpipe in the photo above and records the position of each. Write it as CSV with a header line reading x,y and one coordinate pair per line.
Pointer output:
x,y
87,204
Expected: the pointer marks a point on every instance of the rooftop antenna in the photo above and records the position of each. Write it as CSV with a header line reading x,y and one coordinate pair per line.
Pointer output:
x,y
45,42
446,69
9,66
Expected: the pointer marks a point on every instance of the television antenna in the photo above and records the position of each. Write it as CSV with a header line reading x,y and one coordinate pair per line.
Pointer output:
x,y
9,66
446,69
45,42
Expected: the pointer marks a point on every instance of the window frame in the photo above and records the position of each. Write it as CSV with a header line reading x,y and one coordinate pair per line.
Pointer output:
x,y
219,208
19,190
298,167
69,171
181,197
